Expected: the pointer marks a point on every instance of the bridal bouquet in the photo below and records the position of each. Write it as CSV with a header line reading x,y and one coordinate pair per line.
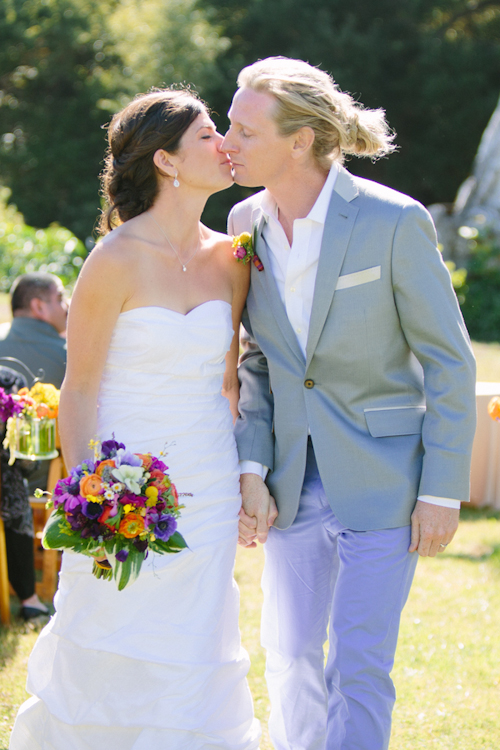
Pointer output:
x,y
115,509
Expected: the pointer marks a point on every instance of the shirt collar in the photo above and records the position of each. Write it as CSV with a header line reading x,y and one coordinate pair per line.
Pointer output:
x,y
318,211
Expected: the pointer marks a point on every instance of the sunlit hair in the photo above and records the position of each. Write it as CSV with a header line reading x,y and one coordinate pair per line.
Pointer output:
x,y
309,97
153,121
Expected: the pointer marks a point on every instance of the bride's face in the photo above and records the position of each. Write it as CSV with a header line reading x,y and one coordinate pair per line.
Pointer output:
x,y
199,161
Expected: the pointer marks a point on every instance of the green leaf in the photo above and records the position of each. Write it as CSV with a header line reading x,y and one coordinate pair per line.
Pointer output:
x,y
176,542
58,534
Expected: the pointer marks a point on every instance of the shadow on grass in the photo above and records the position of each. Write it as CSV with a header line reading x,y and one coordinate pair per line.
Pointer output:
x,y
492,556
478,514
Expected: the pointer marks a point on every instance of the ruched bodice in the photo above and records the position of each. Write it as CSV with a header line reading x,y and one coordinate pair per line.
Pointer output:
x,y
158,665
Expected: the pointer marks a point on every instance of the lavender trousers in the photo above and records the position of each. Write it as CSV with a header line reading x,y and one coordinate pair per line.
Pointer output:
x,y
322,579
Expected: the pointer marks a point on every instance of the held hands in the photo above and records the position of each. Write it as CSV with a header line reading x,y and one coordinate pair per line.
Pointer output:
x,y
432,528
258,511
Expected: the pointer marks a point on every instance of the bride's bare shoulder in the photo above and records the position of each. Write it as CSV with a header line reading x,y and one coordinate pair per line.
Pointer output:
x,y
119,249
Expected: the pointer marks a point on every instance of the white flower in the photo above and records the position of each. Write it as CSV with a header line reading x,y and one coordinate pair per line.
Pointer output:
x,y
131,476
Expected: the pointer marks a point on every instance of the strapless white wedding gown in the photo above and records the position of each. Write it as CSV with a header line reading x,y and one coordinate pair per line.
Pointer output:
x,y
159,665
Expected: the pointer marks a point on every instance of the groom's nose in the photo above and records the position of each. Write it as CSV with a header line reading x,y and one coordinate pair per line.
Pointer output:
x,y
227,145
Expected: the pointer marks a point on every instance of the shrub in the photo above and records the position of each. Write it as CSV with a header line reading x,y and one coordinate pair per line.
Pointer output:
x,y
478,284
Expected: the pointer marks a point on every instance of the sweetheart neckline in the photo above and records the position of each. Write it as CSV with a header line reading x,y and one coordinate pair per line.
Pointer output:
x,y
175,312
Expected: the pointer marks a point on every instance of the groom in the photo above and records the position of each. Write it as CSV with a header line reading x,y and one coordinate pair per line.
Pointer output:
x,y
357,402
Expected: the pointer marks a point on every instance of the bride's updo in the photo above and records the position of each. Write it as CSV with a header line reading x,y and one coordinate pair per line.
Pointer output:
x,y
153,121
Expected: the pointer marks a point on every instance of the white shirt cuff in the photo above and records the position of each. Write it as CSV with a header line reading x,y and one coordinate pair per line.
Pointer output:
x,y
253,467
445,502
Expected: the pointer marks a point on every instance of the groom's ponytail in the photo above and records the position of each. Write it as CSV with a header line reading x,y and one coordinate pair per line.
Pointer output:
x,y
153,121
309,97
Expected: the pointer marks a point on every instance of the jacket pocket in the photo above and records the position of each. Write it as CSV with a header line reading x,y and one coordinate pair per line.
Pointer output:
x,y
395,420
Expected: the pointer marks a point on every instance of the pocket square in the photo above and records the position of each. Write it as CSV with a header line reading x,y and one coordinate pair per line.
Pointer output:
x,y
359,277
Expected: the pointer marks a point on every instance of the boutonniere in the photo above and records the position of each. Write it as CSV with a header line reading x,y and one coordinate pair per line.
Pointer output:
x,y
243,250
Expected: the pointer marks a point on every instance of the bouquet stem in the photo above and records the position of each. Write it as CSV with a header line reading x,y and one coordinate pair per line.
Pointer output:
x,y
102,569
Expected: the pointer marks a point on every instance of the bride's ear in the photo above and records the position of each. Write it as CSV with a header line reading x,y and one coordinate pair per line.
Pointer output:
x,y
163,163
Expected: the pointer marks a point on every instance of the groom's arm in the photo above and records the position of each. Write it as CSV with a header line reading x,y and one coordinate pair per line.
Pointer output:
x,y
433,326
253,428
253,431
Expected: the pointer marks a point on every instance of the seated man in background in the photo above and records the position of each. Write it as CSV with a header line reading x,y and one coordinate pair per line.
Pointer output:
x,y
39,311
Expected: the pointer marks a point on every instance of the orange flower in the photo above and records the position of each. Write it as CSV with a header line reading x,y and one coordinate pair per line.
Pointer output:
x,y
494,408
105,514
42,410
132,525
146,458
173,490
160,480
108,462
91,485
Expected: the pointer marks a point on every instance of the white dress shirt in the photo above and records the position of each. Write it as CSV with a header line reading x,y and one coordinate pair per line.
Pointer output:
x,y
294,269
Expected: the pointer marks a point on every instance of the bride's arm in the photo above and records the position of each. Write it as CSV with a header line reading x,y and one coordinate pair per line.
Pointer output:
x,y
98,298
240,275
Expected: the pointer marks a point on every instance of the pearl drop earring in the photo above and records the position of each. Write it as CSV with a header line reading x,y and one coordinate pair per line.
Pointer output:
x,y
176,181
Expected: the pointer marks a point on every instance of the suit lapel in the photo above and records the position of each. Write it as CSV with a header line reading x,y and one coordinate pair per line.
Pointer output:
x,y
265,279
339,223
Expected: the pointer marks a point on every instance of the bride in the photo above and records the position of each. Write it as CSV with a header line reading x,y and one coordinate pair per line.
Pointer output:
x,y
152,342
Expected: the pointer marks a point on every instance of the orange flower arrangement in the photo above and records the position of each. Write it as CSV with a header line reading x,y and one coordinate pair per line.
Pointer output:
x,y
494,408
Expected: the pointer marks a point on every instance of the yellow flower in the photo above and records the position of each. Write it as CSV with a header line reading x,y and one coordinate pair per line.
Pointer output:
x,y
128,508
94,499
152,495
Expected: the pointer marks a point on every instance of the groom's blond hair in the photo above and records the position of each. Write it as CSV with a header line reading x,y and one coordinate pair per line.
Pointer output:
x,y
309,97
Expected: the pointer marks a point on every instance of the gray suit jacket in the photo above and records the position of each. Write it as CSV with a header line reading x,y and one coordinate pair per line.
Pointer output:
x,y
387,389
38,345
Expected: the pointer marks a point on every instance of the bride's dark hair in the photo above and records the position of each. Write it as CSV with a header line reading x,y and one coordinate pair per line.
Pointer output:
x,y
153,121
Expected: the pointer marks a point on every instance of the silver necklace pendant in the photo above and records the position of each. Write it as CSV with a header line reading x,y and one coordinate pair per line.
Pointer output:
x,y
184,268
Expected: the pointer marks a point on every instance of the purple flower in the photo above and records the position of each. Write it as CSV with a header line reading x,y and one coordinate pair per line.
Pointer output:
x,y
157,464
78,471
71,502
69,485
109,448
77,520
93,530
122,555
8,406
141,545
123,456
164,525
91,510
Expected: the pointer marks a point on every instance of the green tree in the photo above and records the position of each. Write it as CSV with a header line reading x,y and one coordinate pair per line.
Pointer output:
x,y
24,249
57,69
434,65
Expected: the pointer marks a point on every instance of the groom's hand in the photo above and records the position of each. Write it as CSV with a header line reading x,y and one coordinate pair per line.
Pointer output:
x,y
258,511
432,528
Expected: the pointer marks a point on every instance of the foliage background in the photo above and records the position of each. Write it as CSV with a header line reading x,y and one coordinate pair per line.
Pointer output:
x,y
67,65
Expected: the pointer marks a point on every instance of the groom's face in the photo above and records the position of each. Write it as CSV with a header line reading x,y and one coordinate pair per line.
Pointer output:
x,y
259,154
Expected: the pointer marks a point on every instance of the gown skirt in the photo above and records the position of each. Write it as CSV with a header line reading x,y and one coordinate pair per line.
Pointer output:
x,y
159,665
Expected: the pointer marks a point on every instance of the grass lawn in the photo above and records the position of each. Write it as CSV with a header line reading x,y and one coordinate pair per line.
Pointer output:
x,y
447,670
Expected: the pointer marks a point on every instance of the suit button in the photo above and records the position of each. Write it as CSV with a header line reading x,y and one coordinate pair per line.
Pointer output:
x,y
309,383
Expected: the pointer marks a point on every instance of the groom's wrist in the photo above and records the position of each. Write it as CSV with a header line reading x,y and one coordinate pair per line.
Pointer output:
x,y
254,467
